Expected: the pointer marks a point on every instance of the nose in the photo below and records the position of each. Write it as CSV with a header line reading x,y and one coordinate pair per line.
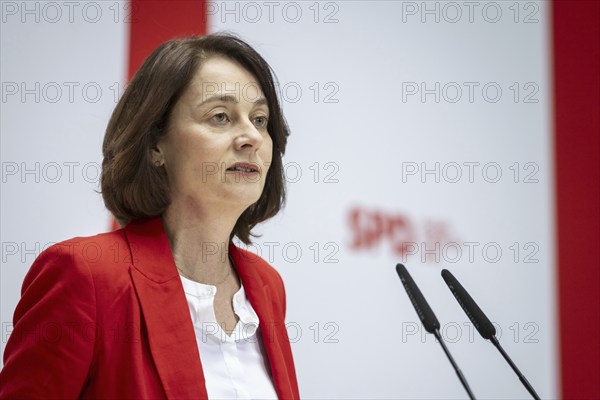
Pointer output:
x,y
248,137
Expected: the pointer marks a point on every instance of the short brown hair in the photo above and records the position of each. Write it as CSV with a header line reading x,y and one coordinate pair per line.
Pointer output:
x,y
132,186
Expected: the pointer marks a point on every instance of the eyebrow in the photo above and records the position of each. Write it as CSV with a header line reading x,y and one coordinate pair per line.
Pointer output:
x,y
227,98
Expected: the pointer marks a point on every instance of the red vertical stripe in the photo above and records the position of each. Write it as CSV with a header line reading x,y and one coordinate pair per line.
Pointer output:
x,y
577,145
153,22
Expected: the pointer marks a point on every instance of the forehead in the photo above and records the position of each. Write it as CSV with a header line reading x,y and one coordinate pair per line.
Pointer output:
x,y
222,76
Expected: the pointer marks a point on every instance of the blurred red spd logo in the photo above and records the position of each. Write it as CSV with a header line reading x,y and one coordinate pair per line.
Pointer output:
x,y
373,228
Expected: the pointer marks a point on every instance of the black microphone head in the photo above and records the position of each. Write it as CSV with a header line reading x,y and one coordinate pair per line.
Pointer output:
x,y
428,318
478,318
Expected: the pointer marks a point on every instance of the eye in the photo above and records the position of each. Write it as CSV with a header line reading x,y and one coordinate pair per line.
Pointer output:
x,y
220,118
260,121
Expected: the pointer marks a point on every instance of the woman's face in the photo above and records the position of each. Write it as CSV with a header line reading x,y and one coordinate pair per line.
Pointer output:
x,y
217,149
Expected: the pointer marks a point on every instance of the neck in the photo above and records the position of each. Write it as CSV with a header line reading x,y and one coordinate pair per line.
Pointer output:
x,y
199,240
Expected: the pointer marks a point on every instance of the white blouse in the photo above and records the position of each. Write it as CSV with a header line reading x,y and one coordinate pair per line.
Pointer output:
x,y
236,366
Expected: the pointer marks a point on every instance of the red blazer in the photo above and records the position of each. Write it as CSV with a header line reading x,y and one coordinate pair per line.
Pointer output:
x,y
106,317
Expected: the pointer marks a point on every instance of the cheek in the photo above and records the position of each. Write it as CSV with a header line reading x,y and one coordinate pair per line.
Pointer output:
x,y
192,158
192,147
266,150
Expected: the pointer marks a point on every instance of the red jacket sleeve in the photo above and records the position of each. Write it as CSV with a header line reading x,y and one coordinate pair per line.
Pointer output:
x,y
50,349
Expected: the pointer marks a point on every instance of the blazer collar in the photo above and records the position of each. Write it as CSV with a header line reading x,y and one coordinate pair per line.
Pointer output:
x,y
171,336
170,330
272,329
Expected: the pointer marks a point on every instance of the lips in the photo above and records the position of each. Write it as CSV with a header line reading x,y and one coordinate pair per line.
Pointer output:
x,y
243,167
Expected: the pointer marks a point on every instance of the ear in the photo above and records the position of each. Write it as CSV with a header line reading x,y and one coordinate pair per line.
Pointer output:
x,y
157,155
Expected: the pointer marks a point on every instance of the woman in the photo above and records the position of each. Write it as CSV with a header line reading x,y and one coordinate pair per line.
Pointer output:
x,y
168,306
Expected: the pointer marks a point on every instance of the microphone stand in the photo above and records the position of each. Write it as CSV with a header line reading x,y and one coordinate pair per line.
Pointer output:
x,y
461,377
522,378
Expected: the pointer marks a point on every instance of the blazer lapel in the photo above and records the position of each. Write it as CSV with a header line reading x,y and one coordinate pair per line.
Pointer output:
x,y
170,331
272,328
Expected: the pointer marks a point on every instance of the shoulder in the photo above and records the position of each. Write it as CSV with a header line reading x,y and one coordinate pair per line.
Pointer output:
x,y
90,248
259,265
63,290
81,258
254,265
109,246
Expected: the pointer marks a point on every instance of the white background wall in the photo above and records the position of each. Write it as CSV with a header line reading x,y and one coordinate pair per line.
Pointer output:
x,y
346,70
61,68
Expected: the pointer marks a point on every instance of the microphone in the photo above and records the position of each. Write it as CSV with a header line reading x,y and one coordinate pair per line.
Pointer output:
x,y
482,323
428,319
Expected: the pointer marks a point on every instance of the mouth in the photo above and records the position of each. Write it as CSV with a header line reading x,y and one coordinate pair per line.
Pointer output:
x,y
243,167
